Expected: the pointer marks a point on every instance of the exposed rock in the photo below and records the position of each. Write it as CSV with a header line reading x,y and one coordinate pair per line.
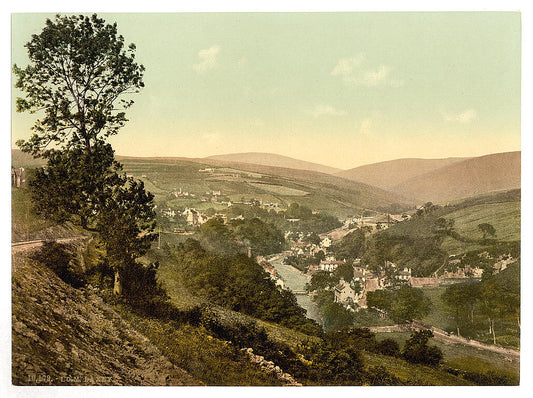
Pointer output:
x,y
270,367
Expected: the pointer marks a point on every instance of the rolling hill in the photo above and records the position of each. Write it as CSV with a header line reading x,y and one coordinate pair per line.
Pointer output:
x,y
271,159
475,176
21,159
237,181
389,174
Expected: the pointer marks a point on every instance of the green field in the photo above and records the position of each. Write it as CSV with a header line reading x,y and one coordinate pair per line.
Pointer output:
x,y
464,357
505,217
318,191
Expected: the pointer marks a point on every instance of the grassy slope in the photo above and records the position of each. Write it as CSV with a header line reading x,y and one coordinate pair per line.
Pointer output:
x,y
500,210
316,190
505,217
419,374
461,356
67,336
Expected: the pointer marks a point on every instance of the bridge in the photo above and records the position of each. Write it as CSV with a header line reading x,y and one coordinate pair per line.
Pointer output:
x,y
299,292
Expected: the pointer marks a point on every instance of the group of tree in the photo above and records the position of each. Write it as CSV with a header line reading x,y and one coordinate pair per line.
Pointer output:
x,y
309,221
303,219
78,80
237,236
237,282
402,305
478,308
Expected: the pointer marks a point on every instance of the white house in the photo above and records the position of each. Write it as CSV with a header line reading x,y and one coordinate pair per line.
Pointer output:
x,y
330,265
325,242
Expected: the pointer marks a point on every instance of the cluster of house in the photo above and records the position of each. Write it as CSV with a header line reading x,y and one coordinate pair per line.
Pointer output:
x,y
299,247
182,194
213,197
347,294
369,281
364,280
269,268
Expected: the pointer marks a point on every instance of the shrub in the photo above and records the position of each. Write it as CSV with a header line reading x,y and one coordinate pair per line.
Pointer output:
x,y
62,260
416,349
388,347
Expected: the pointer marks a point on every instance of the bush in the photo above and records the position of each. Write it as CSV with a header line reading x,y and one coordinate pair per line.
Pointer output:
x,y
140,285
388,347
416,349
62,260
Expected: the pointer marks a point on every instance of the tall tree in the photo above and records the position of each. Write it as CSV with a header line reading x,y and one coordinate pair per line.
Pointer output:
x,y
78,80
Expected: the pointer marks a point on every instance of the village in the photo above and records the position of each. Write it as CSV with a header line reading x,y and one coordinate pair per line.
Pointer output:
x,y
352,292
309,253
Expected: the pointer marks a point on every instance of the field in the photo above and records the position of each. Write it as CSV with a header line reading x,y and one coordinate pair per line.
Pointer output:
x,y
280,189
464,357
505,217
243,182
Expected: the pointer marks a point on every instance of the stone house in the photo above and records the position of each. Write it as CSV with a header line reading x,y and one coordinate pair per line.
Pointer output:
x,y
344,294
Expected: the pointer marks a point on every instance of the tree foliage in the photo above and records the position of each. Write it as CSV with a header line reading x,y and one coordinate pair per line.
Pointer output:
x,y
487,229
78,74
238,283
403,304
417,350
79,67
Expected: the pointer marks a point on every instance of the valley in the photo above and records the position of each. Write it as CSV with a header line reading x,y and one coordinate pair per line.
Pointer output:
x,y
324,220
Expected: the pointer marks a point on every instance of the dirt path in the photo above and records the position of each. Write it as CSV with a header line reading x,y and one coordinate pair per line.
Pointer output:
x,y
17,247
441,335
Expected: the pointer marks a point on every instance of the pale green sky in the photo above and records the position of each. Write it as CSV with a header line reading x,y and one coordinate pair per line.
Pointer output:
x,y
341,89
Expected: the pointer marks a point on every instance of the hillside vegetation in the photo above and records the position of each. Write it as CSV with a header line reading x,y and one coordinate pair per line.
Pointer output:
x,y
240,182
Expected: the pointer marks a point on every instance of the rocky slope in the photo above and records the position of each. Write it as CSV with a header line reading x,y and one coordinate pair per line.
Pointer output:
x,y
67,336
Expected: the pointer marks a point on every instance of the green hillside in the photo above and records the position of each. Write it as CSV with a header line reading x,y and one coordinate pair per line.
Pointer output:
x,y
505,217
427,240
239,182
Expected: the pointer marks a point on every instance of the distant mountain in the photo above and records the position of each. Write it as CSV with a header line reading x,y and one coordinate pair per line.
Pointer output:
x,y
474,176
271,159
386,175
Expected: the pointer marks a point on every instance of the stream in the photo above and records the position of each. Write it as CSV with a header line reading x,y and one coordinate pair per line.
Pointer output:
x,y
296,281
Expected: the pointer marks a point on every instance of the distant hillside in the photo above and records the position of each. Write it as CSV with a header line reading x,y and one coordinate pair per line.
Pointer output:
x,y
475,176
319,191
389,174
21,159
271,159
